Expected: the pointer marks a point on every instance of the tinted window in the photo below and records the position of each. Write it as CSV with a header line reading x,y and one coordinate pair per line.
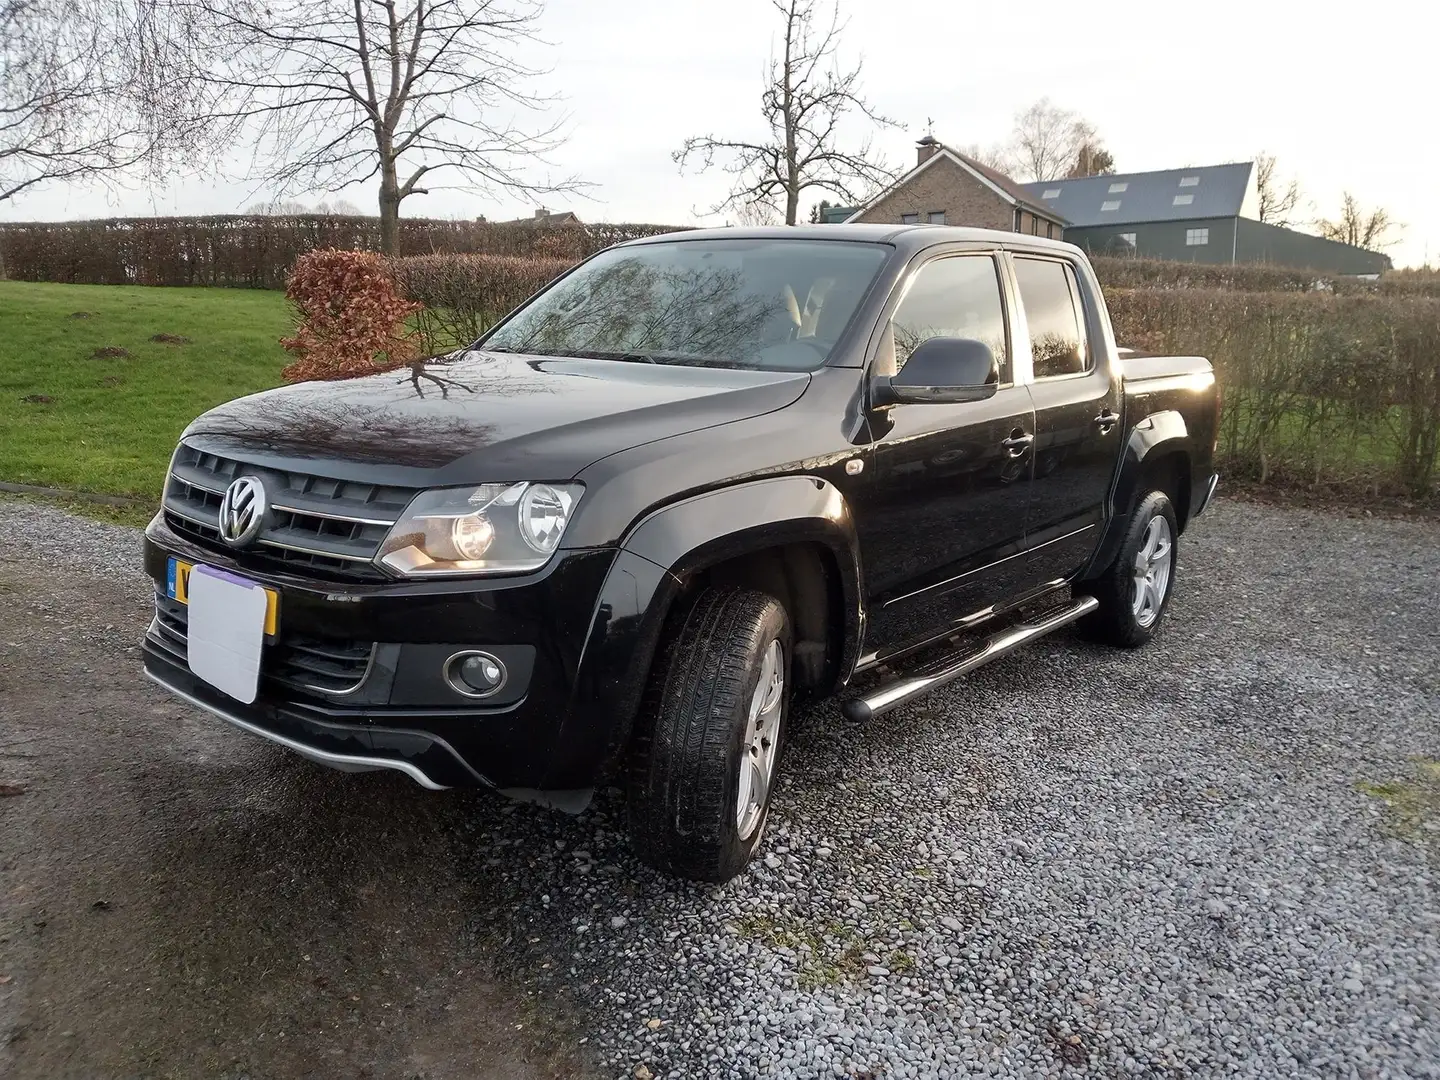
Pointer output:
x,y
1049,292
955,297
723,303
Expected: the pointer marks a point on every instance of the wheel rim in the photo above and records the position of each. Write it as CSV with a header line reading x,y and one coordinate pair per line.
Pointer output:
x,y
1153,563
762,742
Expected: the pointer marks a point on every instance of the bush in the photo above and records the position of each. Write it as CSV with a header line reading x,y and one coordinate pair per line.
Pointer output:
x,y
257,251
1320,388
352,318
465,295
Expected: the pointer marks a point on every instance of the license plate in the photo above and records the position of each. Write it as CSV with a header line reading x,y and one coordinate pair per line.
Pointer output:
x,y
177,587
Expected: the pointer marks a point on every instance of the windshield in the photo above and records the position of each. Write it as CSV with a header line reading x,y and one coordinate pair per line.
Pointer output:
x,y
775,303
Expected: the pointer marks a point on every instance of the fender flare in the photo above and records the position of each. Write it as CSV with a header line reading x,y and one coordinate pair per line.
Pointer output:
x,y
656,555
1157,434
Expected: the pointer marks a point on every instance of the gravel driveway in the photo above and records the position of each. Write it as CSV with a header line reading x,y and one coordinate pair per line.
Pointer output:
x,y
1217,855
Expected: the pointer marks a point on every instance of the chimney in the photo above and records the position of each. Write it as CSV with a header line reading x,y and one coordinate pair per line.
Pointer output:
x,y
541,213
925,149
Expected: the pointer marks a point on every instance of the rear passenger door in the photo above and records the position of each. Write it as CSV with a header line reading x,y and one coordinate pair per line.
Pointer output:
x,y
1077,401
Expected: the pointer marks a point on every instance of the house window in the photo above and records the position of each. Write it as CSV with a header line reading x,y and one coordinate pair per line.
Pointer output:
x,y
1189,181
1197,237
909,219
1184,200
1110,204
1129,238
1051,193
937,217
1116,189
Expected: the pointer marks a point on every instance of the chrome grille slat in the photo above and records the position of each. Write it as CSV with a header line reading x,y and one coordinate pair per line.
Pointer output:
x,y
316,524
311,665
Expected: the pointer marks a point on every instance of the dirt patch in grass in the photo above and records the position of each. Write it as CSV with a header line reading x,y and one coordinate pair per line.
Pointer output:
x,y
110,352
111,380
82,315
170,339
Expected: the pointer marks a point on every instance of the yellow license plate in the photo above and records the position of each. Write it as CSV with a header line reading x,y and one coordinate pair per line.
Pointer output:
x,y
177,587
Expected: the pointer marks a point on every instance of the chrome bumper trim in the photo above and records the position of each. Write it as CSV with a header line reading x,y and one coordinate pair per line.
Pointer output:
x,y
1209,494
346,762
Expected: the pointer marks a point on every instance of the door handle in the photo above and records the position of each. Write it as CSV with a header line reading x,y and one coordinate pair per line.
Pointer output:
x,y
1107,420
1016,445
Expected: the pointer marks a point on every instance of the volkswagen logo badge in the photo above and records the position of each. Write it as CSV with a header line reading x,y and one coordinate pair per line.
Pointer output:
x,y
242,511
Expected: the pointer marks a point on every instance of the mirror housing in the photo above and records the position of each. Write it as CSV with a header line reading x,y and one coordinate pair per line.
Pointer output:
x,y
941,371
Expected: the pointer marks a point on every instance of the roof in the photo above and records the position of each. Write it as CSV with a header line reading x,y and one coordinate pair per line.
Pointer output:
x,y
1012,192
1214,191
909,238
545,218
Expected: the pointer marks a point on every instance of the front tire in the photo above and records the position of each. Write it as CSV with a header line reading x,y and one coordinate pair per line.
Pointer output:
x,y
1134,590
704,761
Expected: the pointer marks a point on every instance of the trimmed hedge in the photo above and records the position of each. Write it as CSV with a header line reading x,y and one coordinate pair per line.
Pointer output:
x,y
259,251
1319,389
464,295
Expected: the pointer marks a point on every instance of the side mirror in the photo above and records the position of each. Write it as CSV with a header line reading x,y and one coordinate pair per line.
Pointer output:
x,y
941,371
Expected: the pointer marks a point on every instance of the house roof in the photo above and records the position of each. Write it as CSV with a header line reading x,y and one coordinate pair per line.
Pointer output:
x,y
998,182
1215,191
545,217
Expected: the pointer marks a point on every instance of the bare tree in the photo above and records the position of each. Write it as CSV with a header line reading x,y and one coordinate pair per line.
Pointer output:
x,y
1047,140
408,92
1361,228
85,92
996,157
806,99
1278,200
1091,159
295,208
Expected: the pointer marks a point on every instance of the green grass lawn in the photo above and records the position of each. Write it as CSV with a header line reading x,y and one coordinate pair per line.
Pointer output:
x,y
71,419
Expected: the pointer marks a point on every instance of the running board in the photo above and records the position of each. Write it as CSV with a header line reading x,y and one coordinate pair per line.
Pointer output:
x,y
908,687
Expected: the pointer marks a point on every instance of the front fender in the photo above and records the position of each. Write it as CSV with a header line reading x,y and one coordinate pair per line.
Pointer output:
x,y
657,554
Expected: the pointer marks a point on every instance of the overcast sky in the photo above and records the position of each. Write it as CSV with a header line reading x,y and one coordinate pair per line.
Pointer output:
x,y
1327,89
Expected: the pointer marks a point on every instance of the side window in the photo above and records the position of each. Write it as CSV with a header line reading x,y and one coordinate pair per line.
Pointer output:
x,y
1050,293
956,296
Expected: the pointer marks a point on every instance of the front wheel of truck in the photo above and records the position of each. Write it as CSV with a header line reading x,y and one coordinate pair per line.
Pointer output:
x,y
1135,589
708,742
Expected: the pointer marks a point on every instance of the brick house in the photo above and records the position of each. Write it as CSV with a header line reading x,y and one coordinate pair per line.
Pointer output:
x,y
947,187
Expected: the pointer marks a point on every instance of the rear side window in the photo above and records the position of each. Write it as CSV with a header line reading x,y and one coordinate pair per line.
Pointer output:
x,y
957,296
1051,297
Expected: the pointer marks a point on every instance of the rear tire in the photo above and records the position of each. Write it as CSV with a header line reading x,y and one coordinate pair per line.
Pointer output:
x,y
709,740
1135,589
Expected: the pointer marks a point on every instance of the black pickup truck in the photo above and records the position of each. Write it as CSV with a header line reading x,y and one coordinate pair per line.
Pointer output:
x,y
694,477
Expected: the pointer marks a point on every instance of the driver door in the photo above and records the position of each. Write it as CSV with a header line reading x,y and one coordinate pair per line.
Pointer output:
x,y
943,531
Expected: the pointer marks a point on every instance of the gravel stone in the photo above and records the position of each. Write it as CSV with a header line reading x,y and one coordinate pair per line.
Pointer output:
x,y
1079,861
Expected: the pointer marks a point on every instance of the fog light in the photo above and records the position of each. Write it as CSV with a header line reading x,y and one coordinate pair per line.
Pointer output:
x,y
475,674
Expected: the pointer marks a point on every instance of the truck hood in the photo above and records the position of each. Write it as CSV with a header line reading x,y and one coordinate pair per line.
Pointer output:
x,y
477,417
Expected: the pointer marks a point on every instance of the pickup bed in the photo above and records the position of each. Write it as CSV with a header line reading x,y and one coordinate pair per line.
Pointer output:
x,y
696,477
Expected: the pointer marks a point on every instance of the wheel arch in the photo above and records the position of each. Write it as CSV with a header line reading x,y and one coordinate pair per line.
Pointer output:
x,y
1159,455
790,535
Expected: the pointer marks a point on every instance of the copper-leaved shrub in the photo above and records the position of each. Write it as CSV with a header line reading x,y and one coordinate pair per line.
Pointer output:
x,y
352,317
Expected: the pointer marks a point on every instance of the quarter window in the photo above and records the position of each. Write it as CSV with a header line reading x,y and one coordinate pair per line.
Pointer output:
x,y
1050,294
953,297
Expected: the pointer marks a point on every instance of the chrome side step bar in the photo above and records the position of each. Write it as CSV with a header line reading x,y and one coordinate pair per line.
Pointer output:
x,y
908,687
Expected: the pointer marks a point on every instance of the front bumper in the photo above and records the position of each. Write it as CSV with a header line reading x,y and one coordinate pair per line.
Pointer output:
x,y
401,714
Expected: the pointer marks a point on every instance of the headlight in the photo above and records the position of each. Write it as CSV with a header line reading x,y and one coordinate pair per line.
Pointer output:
x,y
491,529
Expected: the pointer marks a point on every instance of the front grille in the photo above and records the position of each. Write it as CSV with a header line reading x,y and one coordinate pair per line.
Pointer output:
x,y
306,664
315,523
